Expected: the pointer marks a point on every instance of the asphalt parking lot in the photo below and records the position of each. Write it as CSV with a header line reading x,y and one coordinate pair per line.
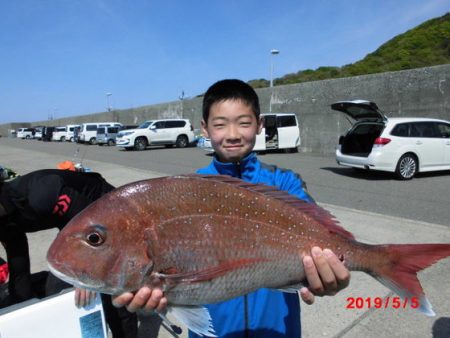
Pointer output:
x,y
329,316
425,198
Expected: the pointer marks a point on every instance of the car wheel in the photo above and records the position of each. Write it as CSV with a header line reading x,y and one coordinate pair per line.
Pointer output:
x,y
140,143
406,167
182,141
111,142
63,139
93,140
71,139
27,137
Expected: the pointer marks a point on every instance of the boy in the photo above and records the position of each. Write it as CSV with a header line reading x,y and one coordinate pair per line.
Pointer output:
x,y
231,119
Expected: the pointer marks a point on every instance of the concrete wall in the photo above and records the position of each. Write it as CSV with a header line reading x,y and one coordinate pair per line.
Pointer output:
x,y
422,92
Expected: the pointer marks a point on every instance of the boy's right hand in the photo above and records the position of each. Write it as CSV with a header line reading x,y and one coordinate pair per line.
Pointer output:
x,y
145,299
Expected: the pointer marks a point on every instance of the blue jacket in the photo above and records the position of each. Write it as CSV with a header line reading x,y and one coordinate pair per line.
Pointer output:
x,y
264,313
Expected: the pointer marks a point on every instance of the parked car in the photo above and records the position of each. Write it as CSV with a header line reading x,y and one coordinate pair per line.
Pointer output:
x,y
59,134
70,132
404,146
88,131
178,132
38,132
25,133
107,135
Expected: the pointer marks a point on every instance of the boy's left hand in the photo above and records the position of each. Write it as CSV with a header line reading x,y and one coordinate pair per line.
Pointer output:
x,y
325,273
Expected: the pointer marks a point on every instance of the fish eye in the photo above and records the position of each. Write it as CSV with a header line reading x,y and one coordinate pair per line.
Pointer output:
x,y
96,237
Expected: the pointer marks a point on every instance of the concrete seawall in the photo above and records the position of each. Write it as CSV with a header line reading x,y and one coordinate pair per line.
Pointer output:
x,y
422,92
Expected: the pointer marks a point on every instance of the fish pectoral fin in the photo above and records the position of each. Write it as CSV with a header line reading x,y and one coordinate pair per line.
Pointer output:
x,y
196,318
208,273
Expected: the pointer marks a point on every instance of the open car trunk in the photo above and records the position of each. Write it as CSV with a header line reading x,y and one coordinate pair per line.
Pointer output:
x,y
359,140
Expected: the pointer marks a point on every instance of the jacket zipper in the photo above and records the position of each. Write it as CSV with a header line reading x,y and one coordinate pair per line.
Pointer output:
x,y
239,169
246,323
246,320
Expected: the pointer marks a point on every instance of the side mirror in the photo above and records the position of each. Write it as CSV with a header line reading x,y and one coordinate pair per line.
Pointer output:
x,y
153,127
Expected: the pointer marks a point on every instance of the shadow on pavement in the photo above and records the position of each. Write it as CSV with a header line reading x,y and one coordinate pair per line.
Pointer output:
x,y
373,175
441,328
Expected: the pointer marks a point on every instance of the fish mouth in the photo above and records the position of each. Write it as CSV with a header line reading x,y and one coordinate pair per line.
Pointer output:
x,y
91,285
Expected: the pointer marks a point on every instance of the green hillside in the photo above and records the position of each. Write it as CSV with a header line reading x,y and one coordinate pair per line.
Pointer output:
x,y
426,45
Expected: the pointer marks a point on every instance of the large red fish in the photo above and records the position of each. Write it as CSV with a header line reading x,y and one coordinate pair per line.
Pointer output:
x,y
205,239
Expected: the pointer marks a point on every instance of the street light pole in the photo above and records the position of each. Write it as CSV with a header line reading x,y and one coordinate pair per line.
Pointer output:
x,y
107,101
272,53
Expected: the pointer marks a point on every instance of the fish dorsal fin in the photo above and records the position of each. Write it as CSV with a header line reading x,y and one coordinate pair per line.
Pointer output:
x,y
311,209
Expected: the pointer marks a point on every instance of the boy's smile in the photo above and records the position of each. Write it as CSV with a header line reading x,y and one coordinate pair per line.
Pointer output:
x,y
232,127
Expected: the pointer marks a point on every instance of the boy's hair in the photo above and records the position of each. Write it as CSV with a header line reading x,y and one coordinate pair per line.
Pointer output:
x,y
230,89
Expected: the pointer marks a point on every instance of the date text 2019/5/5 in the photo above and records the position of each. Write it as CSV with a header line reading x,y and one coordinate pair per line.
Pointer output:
x,y
382,303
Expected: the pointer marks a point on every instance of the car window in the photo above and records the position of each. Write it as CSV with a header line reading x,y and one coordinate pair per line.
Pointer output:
x,y
270,121
286,121
424,129
145,124
91,127
101,130
113,130
401,129
175,124
159,124
443,129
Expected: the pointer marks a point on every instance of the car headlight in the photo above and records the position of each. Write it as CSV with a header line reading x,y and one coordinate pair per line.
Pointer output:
x,y
126,133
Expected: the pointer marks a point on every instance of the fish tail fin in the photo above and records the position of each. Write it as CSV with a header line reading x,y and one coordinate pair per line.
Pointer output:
x,y
399,270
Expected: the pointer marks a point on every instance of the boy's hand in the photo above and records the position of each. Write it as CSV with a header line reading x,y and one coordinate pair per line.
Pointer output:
x,y
325,273
144,299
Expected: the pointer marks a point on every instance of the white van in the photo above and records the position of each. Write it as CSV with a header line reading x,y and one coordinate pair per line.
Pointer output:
x,y
88,131
59,134
70,132
25,133
280,131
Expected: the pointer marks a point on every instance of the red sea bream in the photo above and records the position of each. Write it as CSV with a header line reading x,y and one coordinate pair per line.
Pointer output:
x,y
205,239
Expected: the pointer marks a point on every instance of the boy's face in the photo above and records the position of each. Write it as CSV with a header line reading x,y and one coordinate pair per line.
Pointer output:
x,y
232,127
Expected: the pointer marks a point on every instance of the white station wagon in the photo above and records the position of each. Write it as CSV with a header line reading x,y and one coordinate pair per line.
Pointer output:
x,y
403,145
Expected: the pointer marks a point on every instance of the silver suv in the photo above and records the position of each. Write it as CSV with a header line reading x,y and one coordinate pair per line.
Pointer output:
x,y
168,132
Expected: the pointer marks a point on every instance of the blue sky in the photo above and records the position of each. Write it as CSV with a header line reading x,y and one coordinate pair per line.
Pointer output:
x,y
60,57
